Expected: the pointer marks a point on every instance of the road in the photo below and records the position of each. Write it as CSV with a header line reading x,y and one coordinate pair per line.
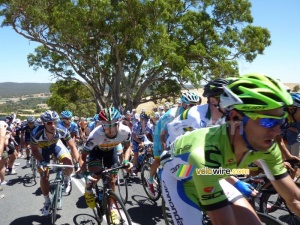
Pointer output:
x,y
23,201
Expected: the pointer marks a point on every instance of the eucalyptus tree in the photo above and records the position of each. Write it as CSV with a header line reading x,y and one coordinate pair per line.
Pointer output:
x,y
137,50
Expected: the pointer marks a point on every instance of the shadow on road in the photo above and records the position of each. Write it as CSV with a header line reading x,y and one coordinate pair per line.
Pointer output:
x,y
84,219
34,219
145,211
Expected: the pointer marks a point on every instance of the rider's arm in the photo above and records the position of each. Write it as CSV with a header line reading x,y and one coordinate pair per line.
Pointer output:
x,y
289,191
73,149
163,137
284,151
82,160
35,152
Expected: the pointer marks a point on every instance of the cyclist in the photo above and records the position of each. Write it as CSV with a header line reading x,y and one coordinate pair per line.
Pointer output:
x,y
25,137
46,140
188,99
92,125
200,116
139,131
255,110
101,145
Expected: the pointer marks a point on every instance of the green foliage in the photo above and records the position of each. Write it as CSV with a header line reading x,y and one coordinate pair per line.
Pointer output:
x,y
73,96
10,89
21,106
128,47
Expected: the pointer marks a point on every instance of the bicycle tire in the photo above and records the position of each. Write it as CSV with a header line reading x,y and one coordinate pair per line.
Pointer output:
x,y
268,220
120,209
33,168
98,213
54,203
145,173
122,186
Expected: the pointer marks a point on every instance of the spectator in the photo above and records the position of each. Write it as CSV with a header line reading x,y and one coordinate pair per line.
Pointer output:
x,y
4,136
161,110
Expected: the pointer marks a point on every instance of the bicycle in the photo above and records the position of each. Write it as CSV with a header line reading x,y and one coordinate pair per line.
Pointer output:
x,y
56,189
264,218
122,185
33,164
104,196
145,155
271,201
145,174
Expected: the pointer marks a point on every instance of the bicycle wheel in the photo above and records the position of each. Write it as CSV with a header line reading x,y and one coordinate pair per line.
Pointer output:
x,y
268,220
119,208
54,202
33,168
145,174
272,202
98,213
122,185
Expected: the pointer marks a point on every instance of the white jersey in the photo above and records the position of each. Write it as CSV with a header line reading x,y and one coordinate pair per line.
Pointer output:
x,y
195,117
98,137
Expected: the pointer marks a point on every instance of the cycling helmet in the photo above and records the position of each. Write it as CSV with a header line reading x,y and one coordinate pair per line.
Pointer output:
x,y
215,87
109,114
49,116
96,117
296,99
9,118
66,114
156,115
76,118
144,116
30,119
189,98
39,121
255,92
18,121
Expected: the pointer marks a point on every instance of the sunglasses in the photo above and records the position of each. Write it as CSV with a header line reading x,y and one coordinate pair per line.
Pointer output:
x,y
267,121
109,125
50,123
66,118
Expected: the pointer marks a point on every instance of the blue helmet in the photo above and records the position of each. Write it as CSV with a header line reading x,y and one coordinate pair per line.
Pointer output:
x,y
30,119
189,98
96,117
49,116
66,114
296,99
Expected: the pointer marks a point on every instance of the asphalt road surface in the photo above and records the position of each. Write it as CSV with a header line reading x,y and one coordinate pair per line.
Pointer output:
x,y
23,200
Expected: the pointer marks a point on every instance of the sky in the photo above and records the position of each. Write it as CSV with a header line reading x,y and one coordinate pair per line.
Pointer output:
x,y
281,60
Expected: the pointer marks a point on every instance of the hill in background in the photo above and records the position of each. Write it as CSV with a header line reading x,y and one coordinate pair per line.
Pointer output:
x,y
11,89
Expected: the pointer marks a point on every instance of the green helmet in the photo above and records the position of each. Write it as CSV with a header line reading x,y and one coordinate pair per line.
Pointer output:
x,y
255,92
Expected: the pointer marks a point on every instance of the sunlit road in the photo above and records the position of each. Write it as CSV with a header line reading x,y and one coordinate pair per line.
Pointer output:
x,y
23,200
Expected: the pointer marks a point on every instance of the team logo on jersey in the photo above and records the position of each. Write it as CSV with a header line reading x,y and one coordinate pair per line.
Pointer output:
x,y
185,171
209,189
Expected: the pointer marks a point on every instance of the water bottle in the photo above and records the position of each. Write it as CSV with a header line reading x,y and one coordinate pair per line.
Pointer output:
x,y
101,195
140,159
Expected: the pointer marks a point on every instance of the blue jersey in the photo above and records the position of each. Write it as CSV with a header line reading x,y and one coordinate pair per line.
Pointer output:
x,y
293,137
91,126
162,123
73,128
38,137
138,131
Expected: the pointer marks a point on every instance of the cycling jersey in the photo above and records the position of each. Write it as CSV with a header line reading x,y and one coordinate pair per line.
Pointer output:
x,y
27,130
54,146
140,134
98,138
162,125
193,153
193,118
73,128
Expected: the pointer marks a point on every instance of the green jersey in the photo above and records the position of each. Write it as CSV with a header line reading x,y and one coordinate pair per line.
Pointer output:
x,y
202,157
